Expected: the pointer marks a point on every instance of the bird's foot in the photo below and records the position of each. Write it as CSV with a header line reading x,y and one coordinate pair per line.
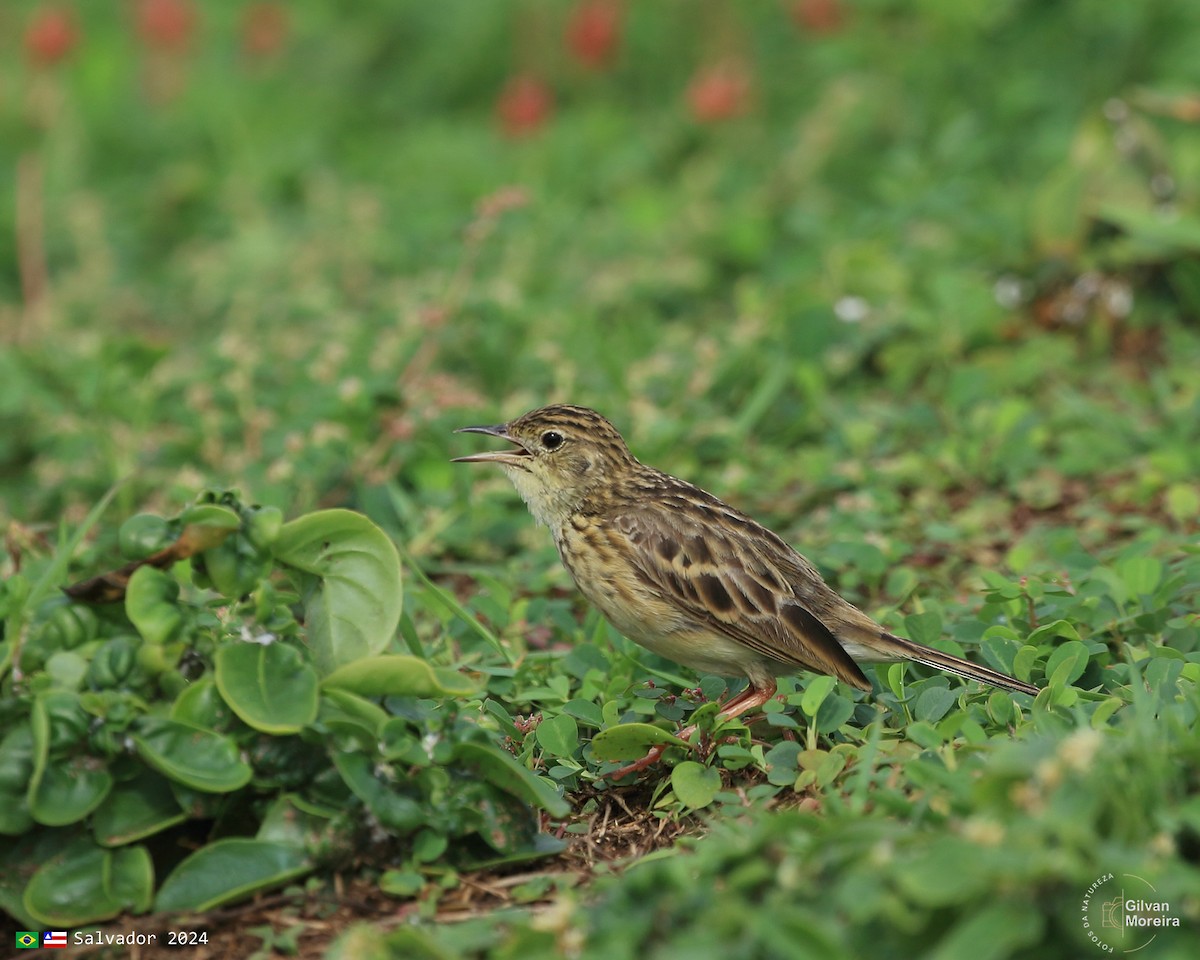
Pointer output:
x,y
750,698
638,766
651,758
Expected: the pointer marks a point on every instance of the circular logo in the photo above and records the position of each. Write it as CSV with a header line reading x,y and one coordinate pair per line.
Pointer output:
x,y
1124,913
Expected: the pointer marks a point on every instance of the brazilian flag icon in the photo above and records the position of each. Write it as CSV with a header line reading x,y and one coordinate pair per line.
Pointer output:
x,y
27,940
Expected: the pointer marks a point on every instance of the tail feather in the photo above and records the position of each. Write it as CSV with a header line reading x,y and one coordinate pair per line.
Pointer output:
x,y
910,650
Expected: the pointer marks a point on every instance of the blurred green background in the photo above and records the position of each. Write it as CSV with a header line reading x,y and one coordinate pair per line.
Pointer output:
x,y
289,245
917,282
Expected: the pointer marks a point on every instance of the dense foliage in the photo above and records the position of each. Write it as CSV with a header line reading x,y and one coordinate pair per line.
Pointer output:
x,y
918,285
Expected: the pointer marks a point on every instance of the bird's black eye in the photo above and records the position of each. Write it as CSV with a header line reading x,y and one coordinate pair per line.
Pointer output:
x,y
552,440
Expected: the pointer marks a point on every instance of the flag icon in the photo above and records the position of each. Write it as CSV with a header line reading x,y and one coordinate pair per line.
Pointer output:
x,y
27,940
54,938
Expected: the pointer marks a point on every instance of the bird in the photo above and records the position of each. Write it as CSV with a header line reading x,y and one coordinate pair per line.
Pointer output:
x,y
687,576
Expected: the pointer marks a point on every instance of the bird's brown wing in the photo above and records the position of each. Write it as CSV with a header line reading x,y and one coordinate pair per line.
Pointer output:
x,y
716,565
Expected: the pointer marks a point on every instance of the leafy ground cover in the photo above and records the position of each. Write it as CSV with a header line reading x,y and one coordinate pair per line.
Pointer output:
x,y
918,286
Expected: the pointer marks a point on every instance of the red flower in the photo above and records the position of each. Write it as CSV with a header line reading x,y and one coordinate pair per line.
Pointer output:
x,y
719,92
819,16
264,29
593,32
524,105
167,24
51,35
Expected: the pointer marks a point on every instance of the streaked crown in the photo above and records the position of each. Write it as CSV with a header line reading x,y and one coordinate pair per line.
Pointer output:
x,y
564,453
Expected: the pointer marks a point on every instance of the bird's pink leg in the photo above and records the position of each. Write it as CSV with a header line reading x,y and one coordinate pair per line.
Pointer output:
x,y
753,696
749,698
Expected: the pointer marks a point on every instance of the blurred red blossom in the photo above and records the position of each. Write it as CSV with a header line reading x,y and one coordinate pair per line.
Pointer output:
x,y
51,35
594,32
524,105
819,16
166,24
719,92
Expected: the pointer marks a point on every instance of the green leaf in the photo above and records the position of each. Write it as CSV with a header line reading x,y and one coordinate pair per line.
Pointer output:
x,y
348,574
210,516
198,758
924,628
269,686
833,712
69,790
630,741
399,676
1052,631
85,884
1141,575
502,769
815,693
396,883
294,823
1104,710
585,711
782,763
943,871
151,603
341,709
934,703
16,770
1067,663
229,869
1183,502
694,784
135,809
201,705
993,932
558,735
394,809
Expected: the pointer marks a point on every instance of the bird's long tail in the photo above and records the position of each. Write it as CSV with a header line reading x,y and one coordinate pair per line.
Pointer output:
x,y
920,653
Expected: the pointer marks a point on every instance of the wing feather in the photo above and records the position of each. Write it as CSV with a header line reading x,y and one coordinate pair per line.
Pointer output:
x,y
720,576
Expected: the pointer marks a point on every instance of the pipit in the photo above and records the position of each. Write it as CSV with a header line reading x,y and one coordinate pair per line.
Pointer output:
x,y
684,574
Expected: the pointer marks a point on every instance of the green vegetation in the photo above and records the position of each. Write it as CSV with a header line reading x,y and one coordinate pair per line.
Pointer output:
x,y
918,285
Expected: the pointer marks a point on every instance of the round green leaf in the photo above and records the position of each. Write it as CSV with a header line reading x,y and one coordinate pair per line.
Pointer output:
x,y
201,705
1067,663
135,809
1142,575
143,534
68,791
198,758
833,712
400,676
934,703
630,741
558,735
150,603
86,883
695,784
229,869
348,574
269,686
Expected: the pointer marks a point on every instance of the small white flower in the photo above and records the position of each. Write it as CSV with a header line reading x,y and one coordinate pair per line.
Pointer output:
x,y
851,309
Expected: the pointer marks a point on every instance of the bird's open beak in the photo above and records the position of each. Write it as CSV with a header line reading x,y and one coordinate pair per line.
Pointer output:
x,y
512,457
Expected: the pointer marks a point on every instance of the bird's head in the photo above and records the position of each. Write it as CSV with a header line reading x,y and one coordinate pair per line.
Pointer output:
x,y
560,454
